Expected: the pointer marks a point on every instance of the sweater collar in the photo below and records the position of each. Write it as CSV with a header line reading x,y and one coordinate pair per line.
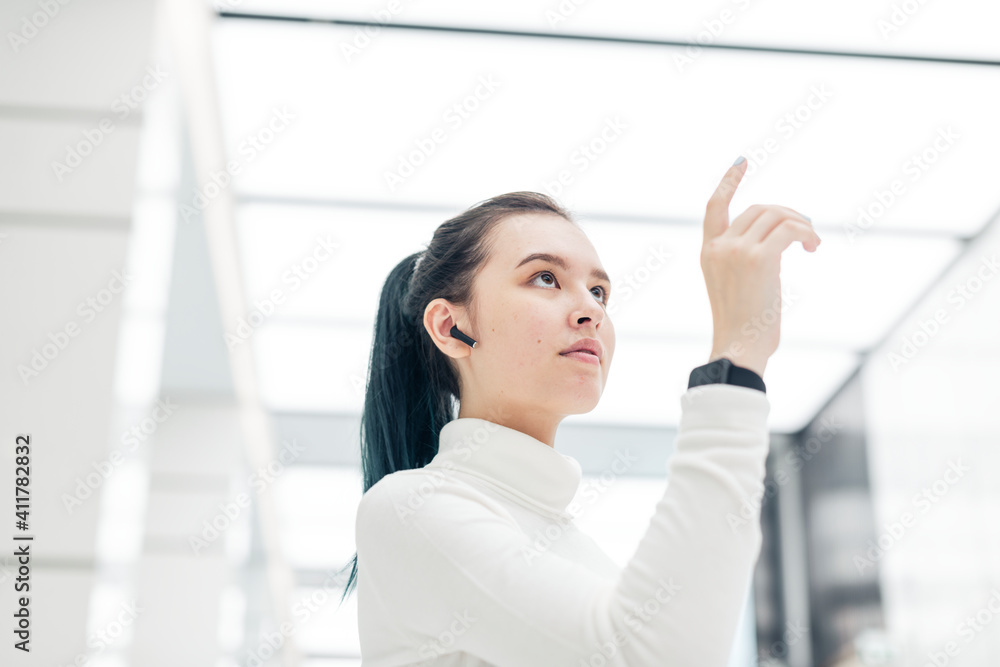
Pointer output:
x,y
522,464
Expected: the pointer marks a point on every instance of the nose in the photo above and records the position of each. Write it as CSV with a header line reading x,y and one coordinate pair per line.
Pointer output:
x,y
589,309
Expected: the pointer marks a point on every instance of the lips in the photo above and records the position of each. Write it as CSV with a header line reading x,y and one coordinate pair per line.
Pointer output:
x,y
584,357
588,346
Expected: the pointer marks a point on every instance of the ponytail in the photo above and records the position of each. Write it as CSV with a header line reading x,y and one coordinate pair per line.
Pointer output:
x,y
408,398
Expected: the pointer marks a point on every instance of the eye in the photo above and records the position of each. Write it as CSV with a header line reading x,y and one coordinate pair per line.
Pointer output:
x,y
603,293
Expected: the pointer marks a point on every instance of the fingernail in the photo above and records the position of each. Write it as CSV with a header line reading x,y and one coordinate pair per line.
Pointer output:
x,y
807,217
739,160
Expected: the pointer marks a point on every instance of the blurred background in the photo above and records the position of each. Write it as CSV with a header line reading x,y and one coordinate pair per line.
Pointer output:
x,y
199,203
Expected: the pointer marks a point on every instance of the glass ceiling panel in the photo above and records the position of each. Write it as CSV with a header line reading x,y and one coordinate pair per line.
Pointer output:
x,y
624,130
960,28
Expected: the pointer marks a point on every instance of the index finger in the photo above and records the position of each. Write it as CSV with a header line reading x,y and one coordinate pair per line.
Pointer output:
x,y
717,209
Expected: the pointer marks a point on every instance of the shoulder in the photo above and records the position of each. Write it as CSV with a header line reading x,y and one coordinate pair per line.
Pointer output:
x,y
407,487
391,493
426,499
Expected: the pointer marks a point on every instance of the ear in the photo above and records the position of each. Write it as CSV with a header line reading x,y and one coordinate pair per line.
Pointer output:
x,y
439,317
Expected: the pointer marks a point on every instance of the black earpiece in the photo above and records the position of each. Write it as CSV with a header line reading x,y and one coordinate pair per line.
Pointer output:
x,y
455,333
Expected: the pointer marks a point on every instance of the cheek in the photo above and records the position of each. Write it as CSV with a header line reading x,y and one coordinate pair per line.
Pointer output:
x,y
530,334
540,330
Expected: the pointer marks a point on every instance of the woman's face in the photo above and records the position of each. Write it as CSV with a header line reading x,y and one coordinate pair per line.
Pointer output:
x,y
530,312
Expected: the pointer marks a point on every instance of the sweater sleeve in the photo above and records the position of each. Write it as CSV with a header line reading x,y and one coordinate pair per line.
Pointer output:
x,y
457,574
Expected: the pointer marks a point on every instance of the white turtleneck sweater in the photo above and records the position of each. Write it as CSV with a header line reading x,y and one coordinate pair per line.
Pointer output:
x,y
474,560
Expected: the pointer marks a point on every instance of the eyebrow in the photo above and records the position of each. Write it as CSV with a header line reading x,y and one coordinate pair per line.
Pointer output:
x,y
561,263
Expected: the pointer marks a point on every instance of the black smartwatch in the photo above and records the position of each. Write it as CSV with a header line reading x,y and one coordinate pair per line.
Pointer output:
x,y
724,371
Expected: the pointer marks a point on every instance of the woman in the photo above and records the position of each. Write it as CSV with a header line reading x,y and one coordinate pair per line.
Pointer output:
x,y
466,554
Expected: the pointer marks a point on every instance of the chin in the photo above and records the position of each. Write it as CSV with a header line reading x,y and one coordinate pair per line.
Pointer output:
x,y
578,409
580,400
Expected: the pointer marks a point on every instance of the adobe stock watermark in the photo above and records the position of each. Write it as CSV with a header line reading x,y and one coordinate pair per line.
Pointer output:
x,y
633,281
32,24
777,651
444,642
795,458
588,495
637,618
968,629
561,11
105,637
712,29
787,126
386,357
122,107
231,510
462,450
584,155
88,309
899,15
363,36
303,609
960,295
130,439
915,166
294,277
249,148
756,326
923,501
454,116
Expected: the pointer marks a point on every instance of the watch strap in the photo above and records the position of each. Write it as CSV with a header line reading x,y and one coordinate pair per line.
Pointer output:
x,y
724,371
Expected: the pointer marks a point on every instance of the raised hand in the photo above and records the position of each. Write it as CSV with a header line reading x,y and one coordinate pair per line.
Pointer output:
x,y
741,262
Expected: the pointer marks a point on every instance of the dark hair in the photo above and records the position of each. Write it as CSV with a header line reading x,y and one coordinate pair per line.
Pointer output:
x,y
413,388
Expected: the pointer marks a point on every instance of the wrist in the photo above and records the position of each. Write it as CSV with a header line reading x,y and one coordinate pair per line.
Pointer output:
x,y
722,370
750,362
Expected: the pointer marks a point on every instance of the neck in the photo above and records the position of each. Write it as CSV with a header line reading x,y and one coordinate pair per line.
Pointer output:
x,y
539,424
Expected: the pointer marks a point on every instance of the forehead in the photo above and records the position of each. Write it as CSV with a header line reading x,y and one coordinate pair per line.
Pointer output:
x,y
520,235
